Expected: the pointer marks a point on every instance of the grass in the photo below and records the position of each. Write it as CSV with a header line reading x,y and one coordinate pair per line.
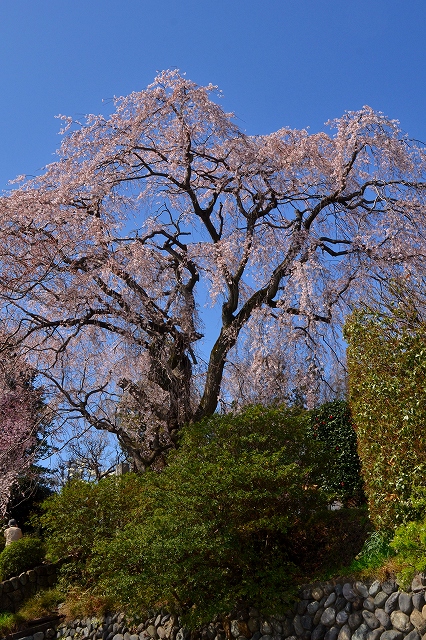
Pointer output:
x,y
9,622
376,560
42,604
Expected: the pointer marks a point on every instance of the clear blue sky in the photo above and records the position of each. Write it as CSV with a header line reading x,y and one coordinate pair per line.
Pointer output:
x,y
278,62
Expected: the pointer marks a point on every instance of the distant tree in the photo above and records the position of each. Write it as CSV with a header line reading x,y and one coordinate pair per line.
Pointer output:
x,y
108,257
88,456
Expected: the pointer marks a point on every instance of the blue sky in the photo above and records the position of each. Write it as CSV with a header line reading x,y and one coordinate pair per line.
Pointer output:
x,y
279,63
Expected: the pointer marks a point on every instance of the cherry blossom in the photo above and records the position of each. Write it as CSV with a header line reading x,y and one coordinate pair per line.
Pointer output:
x,y
108,256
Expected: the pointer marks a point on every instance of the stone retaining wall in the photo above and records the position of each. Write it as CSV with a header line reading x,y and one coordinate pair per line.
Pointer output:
x,y
15,590
324,611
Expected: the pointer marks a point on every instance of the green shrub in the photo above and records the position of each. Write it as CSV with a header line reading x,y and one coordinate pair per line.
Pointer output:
x,y
387,385
213,529
20,556
41,604
409,543
218,520
331,424
85,512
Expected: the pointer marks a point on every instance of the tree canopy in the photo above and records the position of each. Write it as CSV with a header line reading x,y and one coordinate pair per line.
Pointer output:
x,y
110,255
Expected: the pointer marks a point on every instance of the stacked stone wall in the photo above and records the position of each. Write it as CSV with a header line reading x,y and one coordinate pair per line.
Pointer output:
x,y
323,611
15,591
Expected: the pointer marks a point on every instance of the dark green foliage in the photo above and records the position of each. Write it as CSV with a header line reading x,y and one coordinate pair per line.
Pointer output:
x,y
26,497
331,424
20,556
330,541
387,382
222,511
213,529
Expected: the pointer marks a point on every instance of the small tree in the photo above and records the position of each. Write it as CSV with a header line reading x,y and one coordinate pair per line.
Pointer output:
x,y
212,529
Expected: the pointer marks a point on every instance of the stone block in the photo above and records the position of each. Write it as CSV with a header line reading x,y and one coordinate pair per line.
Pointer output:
x,y
319,632
332,633
391,635
312,608
389,586
328,617
301,607
349,593
361,589
368,604
317,616
380,599
361,632
401,622
42,581
354,620
383,618
370,620
253,624
418,621
345,633
15,583
392,603
7,586
375,634
16,596
341,618
413,635
331,599
418,600
418,583
340,603
32,575
374,588
405,603
317,593
23,578
307,622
